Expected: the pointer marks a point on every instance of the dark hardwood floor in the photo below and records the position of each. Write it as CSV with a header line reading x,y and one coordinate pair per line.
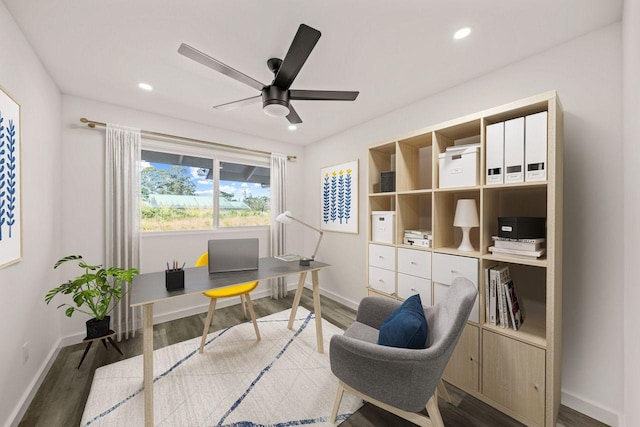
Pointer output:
x,y
61,398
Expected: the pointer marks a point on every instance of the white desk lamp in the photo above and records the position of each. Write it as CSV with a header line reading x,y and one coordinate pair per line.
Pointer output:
x,y
466,218
286,218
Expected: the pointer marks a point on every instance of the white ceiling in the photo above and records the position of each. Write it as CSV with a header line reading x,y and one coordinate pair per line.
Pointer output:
x,y
394,53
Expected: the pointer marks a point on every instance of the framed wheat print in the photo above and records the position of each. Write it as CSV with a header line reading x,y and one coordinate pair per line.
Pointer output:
x,y
10,208
340,197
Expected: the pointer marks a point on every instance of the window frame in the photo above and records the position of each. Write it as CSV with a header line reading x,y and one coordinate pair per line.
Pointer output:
x,y
217,155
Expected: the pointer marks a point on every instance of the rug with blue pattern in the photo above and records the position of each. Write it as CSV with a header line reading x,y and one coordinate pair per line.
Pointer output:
x,y
278,381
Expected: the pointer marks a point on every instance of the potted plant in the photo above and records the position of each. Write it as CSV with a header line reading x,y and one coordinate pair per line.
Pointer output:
x,y
95,293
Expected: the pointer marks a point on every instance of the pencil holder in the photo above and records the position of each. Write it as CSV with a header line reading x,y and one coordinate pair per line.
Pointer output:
x,y
174,279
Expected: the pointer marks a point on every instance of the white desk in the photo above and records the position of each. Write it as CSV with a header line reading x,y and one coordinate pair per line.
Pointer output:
x,y
150,287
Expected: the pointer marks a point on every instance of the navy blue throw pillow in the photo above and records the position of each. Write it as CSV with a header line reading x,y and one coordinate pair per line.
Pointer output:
x,y
406,327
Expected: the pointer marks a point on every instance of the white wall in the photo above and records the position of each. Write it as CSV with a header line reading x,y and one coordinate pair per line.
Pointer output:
x,y
586,72
631,102
64,214
83,193
23,313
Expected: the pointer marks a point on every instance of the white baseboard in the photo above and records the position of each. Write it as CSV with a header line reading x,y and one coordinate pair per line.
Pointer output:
x,y
32,389
338,298
592,409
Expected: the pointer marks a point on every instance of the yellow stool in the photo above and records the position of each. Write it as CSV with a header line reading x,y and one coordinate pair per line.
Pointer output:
x,y
241,290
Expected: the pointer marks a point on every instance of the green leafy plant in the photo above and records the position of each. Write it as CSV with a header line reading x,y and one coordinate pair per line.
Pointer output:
x,y
94,291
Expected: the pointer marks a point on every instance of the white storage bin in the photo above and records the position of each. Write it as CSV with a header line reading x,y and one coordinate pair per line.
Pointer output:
x,y
446,268
383,226
458,166
414,262
382,256
382,280
408,285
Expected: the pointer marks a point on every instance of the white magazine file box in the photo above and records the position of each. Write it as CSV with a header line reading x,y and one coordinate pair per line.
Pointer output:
x,y
514,150
535,147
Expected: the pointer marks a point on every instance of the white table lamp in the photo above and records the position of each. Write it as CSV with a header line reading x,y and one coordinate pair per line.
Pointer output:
x,y
286,218
466,218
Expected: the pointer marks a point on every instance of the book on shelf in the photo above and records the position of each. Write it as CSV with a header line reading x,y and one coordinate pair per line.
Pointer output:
x,y
487,294
496,315
516,313
427,243
418,234
502,277
517,253
518,244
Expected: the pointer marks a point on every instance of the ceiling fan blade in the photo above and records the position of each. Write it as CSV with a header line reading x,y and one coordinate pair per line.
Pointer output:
x,y
300,49
237,104
323,95
293,116
218,66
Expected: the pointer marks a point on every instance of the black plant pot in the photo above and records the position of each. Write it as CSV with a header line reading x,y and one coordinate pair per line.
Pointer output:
x,y
98,328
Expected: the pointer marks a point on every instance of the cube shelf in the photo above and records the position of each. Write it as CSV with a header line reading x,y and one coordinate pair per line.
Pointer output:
x,y
422,200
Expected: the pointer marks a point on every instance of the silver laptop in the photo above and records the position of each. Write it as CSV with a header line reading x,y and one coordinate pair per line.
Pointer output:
x,y
233,255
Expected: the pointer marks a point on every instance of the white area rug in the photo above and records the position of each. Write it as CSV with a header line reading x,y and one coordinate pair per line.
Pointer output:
x,y
279,381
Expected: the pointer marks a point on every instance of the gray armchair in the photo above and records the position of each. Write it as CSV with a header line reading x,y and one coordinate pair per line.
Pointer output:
x,y
401,381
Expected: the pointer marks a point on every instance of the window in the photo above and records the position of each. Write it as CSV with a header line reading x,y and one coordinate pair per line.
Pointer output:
x,y
245,195
182,192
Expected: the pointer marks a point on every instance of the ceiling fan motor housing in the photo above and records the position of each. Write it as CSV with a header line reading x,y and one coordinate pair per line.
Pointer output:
x,y
275,100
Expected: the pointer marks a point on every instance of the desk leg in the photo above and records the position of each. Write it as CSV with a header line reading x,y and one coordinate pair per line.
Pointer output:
x,y
296,299
317,310
147,362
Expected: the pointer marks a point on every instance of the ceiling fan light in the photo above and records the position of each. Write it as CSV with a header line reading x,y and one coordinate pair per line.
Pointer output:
x,y
462,33
276,110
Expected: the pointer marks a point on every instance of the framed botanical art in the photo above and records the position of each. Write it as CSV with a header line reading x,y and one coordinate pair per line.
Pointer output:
x,y
10,208
339,185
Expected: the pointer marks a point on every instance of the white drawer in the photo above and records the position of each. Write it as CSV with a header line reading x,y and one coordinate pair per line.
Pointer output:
x,y
382,256
409,285
382,280
439,292
447,267
414,262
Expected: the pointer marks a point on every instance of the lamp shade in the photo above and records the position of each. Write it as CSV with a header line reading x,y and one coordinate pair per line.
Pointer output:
x,y
285,217
466,214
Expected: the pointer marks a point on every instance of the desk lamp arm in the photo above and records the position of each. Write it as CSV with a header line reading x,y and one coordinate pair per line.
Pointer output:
x,y
313,228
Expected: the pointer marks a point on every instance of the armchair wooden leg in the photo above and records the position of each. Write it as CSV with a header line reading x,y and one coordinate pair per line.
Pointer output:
x,y
443,391
207,323
434,412
336,402
253,316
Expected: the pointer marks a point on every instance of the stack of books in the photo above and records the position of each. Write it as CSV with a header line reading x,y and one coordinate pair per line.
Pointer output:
x,y
422,238
521,248
501,301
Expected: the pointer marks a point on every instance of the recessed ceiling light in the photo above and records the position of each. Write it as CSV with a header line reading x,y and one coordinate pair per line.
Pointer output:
x,y
293,127
462,33
145,86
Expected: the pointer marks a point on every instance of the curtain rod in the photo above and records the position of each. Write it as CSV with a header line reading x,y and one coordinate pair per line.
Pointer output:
x,y
93,124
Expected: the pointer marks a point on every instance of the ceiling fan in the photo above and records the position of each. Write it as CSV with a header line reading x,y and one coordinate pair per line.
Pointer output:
x,y
276,96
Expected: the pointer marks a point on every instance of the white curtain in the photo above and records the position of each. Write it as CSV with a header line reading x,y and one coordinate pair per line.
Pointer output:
x,y
122,218
278,205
